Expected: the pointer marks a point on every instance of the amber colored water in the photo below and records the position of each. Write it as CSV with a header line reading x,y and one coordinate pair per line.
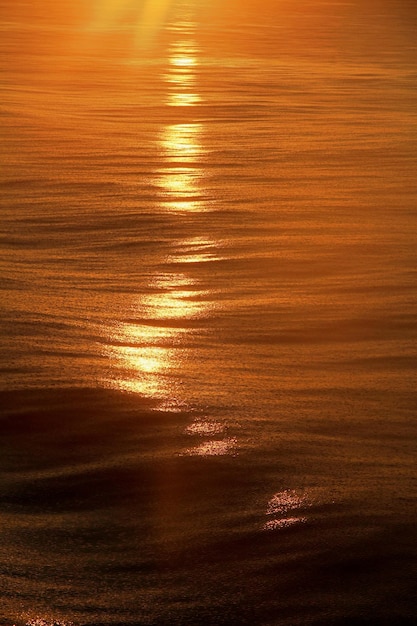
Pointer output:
x,y
208,330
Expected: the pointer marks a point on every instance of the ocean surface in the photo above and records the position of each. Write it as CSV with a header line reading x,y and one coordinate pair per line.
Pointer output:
x,y
208,313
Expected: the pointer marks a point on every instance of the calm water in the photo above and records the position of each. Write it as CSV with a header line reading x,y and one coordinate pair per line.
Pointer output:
x,y
208,337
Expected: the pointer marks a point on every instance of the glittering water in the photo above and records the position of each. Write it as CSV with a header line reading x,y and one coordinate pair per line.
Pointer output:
x,y
208,339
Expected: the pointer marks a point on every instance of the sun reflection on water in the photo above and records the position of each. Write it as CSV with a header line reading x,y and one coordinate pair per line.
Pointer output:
x,y
199,250
40,621
215,442
214,447
150,347
182,61
211,438
182,141
174,305
178,182
286,508
184,99
205,427
142,370
181,182
181,74
148,353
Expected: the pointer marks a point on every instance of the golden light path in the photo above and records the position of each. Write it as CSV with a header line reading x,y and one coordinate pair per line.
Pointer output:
x,y
150,351
181,75
180,181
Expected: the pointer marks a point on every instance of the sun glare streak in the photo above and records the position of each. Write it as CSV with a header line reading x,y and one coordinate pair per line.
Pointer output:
x,y
181,142
286,508
215,440
180,186
183,99
173,306
223,447
182,61
181,75
150,348
149,353
180,183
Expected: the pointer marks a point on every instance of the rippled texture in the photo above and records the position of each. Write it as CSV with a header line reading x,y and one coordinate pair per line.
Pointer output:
x,y
208,338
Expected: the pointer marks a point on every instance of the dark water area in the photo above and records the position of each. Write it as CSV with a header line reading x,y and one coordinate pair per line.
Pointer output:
x,y
208,295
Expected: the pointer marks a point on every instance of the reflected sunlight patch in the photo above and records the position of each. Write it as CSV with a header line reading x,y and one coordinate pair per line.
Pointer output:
x,y
141,334
186,206
173,306
181,142
285,522
182,61
143,386
146,357
222,447
177,298
181,74
282,507
187,79
181,184
183,99
204,428
39,621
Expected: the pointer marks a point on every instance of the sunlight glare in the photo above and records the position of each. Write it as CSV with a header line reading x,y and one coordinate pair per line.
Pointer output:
x,y
152,18
182,142
148,353
146,19
181,186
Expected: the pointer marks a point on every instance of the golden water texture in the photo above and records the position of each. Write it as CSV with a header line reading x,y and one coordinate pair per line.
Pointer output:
x,y
208,337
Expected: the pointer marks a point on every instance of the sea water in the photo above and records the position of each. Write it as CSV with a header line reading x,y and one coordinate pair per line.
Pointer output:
x,y
208,292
